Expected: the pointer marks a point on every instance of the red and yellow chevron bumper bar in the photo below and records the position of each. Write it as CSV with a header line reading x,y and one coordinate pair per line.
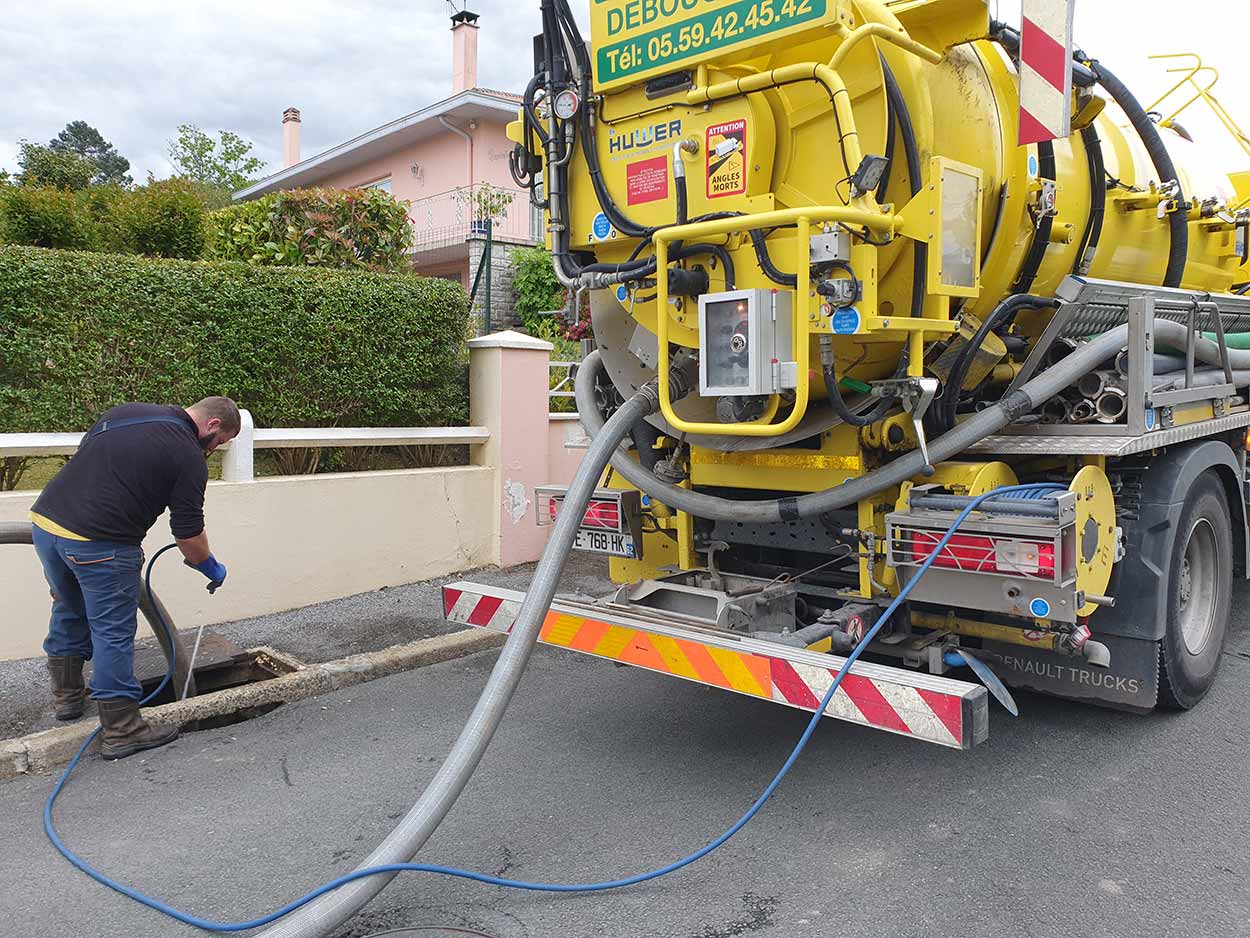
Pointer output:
x,y
909,703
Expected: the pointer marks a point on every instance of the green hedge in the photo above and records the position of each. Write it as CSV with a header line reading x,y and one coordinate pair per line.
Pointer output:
x,y
165,218
81,332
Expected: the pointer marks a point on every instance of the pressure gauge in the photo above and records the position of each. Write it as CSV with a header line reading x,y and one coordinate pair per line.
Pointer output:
x,y
566,104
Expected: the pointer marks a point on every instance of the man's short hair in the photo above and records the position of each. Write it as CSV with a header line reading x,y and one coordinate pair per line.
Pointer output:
x,y
224,409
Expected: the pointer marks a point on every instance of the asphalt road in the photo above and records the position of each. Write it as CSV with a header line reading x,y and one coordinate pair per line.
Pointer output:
x,y
321,632
1069,821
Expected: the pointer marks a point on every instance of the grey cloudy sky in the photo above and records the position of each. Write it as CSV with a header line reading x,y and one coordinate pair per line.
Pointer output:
x,y
135,69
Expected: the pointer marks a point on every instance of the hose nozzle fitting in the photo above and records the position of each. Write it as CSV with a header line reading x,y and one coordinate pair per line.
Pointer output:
x,y
688,145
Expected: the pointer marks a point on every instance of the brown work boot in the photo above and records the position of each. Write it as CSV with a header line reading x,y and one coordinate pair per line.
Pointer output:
x,y
68,690
125,732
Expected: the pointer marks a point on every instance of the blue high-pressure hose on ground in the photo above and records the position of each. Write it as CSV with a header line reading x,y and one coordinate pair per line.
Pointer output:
x,y
1025,490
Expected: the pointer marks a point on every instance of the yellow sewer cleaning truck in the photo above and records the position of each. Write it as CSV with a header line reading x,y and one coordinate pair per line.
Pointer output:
x,y
811,228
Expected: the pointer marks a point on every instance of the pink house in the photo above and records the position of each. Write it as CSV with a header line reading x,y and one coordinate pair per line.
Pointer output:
x,y
441,159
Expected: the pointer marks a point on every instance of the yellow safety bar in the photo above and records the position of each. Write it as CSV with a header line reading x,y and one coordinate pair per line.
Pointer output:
x,y
803,218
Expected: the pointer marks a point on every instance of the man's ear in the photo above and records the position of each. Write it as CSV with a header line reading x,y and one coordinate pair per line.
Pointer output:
x,y
213,425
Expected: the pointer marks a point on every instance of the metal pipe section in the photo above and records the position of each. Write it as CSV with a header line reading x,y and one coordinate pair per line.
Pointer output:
x,y
19,532
1093,384
326,913
1111,405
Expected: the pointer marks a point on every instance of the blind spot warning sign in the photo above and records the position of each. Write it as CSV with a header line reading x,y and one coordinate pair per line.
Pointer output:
x,y
726,159
646,180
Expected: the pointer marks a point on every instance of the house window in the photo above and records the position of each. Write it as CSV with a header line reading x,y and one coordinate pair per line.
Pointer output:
x,y
383,184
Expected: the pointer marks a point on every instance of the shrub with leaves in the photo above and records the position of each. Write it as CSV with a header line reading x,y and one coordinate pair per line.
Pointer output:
x,y
344,228
46,218
83,332
165,218
538,290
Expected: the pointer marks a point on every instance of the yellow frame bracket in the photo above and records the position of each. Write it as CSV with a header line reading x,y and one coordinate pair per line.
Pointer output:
x,y
878,222
927,222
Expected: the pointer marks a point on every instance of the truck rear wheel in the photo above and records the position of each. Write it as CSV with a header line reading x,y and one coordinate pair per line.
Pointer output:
x,y
1199,596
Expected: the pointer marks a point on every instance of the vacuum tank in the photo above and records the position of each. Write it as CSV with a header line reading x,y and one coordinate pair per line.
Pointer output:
x,y
777,105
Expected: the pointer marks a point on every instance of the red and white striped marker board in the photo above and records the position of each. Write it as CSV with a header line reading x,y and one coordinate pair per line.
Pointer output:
x,y
1046,70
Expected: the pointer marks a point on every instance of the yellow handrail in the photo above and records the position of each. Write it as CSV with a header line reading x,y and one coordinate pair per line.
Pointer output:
x,y
802,218
898,37
788,74
1201,92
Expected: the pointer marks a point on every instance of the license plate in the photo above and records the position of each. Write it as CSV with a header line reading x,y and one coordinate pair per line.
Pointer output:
x,y
605,542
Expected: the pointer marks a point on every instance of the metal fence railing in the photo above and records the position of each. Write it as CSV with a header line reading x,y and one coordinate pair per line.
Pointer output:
x,y
562,389
238,463
456,215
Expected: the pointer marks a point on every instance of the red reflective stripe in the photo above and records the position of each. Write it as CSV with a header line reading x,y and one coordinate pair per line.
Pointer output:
x,y
792,688
486,607
1032,130
450,598
948,709
1045,54
875,708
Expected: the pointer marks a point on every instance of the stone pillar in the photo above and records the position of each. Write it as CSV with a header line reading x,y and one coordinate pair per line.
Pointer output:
x,y
508,382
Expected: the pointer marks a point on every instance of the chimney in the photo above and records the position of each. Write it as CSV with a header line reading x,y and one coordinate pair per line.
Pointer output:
x,y
463,51
290,137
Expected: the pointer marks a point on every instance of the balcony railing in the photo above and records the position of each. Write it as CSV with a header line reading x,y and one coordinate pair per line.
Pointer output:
x,y
454,216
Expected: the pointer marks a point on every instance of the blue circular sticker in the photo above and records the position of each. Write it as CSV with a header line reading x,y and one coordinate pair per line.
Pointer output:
x,y
846,321
1152,419
601,228
622,293
1034,169
1039,608
645,501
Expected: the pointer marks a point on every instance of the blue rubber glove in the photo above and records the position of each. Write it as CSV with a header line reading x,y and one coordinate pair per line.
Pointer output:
x,y
212,568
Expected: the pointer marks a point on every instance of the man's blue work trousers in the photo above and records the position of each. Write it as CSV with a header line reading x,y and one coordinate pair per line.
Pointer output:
x,y
95,601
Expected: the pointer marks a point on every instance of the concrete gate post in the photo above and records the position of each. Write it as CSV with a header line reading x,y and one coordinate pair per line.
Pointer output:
x,y
508,383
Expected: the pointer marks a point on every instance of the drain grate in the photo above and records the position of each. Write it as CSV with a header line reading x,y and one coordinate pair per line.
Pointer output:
x,y
220,664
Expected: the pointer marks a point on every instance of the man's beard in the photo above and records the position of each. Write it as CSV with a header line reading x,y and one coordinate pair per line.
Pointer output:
x,y
206,442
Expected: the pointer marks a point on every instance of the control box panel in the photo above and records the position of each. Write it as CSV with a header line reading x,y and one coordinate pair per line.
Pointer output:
x,y
745,343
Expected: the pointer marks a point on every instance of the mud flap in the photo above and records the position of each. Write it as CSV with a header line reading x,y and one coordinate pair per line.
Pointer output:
x,y
1131,683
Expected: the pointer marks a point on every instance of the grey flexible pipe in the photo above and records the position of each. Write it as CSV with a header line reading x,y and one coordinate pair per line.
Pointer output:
x,y
326,913
1202,379
1163,363
1023,400
19,532
1205,350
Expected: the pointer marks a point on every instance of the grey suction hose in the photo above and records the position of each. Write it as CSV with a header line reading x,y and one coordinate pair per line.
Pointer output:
x,y
1202,379
326,913
15,532
1023,400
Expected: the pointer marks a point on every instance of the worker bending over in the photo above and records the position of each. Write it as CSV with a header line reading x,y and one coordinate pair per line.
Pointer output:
x,y
89,523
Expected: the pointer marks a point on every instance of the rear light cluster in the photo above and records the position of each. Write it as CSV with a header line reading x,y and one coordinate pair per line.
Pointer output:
x,y
601,515
976,553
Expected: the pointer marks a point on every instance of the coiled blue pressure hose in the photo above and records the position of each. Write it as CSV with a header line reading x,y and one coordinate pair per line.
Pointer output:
x,y
1027,491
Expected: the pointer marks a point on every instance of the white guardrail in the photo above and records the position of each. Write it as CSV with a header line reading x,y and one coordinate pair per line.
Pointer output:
x,y
238,456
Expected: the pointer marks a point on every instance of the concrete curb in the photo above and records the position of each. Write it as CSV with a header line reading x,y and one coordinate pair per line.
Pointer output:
x,y
51,749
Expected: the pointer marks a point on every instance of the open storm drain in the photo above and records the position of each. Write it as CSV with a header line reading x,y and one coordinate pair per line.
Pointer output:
x,y
220,664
